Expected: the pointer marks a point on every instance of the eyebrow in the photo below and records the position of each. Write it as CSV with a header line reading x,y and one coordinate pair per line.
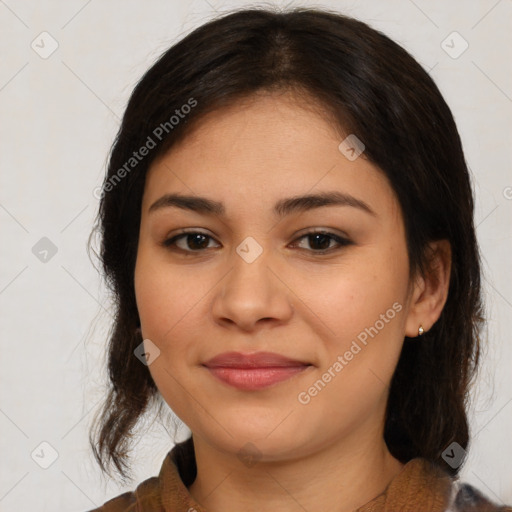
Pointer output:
x,y
282,208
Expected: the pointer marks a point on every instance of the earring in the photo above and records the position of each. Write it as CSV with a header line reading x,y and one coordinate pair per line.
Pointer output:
x,y
420,330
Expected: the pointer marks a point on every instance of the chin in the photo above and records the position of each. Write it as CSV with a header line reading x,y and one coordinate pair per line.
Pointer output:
x,y
262,441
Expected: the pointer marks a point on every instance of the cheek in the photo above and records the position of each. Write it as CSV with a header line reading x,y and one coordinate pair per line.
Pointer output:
x,y
364,308
355,295
162,296
171,302
161,302
360,354
167,302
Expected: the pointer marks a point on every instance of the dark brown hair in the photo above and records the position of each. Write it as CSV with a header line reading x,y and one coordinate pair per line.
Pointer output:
x,y
373,88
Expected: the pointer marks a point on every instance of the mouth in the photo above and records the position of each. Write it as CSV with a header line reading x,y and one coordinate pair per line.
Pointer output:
x,y
252,372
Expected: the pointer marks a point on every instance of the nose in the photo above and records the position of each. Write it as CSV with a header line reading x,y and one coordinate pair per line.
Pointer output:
x,y
252,295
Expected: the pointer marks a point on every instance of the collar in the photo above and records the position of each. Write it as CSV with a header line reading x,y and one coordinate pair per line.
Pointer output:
x,y
420,485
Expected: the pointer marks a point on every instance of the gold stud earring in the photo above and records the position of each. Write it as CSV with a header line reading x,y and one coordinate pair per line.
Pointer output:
x,y
420,330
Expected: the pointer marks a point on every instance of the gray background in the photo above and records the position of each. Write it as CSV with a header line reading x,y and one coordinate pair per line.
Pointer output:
x,y
59,115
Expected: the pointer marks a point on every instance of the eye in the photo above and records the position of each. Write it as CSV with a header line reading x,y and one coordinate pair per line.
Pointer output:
x,y
192,241
321,241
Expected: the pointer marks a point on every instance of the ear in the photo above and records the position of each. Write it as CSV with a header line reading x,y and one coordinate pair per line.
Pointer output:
x,y
430,291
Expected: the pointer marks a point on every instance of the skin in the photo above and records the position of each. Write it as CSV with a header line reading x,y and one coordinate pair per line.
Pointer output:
x,y
328,454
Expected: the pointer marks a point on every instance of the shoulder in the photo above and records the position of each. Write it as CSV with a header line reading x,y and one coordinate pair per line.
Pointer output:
x,y
146,497
469,499
166,491
424,485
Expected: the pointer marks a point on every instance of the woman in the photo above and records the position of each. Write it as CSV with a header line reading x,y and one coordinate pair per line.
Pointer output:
x,y
287,228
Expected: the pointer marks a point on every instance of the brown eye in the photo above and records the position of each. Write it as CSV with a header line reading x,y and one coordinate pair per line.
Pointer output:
x,y
189,242
320,242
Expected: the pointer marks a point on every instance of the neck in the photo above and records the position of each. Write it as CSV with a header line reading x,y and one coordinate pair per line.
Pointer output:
x,y
341,477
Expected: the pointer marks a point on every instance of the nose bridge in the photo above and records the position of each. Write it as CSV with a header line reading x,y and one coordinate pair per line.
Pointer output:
x,y
251,291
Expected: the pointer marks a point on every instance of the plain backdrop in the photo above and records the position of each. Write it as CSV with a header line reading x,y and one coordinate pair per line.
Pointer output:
x,y
67,71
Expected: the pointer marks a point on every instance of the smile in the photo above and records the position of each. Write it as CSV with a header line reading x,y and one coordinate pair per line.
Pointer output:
x,y
255,371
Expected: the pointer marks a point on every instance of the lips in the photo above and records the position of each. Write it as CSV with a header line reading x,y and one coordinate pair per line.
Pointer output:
x,y
254,371
256,360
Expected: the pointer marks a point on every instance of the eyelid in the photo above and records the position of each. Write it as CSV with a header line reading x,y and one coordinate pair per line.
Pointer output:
x,y
322,231
341,240
166,242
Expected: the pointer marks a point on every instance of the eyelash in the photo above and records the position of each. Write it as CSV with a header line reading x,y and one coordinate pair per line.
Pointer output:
x,y
343,242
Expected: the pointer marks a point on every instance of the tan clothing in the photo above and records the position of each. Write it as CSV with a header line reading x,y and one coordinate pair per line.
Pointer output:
x,y
419,487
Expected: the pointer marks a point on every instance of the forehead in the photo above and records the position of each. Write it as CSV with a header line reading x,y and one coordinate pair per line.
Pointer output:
x,y
262,120
263,148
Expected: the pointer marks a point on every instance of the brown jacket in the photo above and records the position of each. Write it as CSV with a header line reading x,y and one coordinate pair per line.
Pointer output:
x,y
419,487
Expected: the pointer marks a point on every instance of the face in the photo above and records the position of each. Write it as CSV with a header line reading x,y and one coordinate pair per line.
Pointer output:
x,y
323,283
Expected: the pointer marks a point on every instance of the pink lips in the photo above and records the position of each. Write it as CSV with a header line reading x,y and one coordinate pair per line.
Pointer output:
x,y
253,371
